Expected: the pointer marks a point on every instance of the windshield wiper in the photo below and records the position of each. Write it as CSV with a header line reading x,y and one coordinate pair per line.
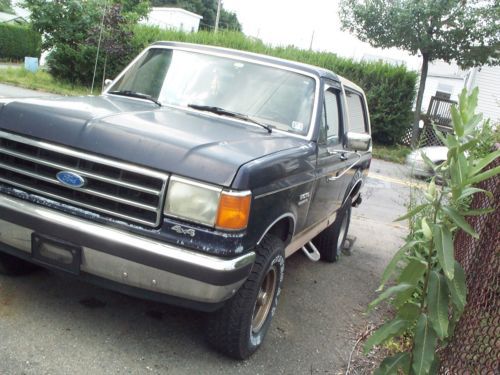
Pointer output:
x,y
225,112
134,94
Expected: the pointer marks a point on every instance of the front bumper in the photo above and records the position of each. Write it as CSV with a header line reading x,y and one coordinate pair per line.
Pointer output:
x,y
123,258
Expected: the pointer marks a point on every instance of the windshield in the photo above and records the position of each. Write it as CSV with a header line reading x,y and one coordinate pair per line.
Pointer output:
x,y
276,97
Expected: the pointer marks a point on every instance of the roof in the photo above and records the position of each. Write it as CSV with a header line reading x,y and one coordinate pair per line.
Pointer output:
x,y
311,69
11,18
178,10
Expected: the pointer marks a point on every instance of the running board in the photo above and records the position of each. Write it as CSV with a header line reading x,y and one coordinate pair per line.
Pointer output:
x,y
313,254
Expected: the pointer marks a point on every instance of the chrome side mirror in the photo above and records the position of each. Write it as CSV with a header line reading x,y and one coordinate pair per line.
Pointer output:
x,y
357,141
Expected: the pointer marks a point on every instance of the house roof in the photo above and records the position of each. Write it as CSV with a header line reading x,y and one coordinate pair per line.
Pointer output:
x,y
11,18
178,10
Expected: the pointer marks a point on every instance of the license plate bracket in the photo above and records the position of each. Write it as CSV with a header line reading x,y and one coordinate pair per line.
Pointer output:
x,y
56,253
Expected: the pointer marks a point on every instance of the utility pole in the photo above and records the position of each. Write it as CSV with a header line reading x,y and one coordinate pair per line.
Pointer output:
x,y
312,40
217,17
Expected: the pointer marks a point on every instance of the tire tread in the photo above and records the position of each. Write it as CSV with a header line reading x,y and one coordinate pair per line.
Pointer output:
x,y
225,325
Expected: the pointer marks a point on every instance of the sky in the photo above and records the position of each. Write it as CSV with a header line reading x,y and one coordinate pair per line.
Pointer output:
x,y
285,22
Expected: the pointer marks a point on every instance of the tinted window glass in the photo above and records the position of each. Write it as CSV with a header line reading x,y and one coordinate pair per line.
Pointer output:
x,y
356,113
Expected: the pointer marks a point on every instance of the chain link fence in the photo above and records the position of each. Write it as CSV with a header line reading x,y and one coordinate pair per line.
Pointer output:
x,y
475,345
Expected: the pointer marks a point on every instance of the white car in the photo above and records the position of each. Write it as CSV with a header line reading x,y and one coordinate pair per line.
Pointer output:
x,y
418,168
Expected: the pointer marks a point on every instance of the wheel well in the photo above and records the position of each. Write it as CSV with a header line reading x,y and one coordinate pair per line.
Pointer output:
x,y
283,229
356,189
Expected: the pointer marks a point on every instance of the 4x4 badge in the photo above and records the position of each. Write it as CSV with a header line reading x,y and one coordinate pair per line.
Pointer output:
x,y
181,230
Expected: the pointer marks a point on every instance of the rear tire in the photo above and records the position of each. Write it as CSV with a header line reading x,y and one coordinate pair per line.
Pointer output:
x,y
12,266
329,242
239,327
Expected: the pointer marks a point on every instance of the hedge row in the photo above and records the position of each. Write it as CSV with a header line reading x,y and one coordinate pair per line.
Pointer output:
x,y
16,42
390,90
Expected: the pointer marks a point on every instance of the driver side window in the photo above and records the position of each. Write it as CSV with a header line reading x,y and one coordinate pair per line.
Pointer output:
x,y
330,120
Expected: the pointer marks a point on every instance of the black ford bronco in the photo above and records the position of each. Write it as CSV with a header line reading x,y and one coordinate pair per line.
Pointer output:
x,y
188,181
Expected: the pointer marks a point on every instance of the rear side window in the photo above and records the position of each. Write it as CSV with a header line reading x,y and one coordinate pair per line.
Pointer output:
x,y
357,118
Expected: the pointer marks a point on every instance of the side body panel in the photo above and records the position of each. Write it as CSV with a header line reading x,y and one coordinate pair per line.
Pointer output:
x,y
333,173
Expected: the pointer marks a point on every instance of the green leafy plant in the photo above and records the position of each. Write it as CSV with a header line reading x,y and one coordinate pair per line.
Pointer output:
x,y
429,293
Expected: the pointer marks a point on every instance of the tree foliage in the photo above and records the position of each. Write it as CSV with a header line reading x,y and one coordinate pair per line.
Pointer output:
x,y
6,6
467,32
64,22
74,29
207,9
430,293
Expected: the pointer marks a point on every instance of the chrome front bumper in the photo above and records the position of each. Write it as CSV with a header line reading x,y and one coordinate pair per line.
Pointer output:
x,y
123,257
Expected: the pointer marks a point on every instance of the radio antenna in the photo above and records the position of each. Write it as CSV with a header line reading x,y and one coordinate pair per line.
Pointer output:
x,y
99,45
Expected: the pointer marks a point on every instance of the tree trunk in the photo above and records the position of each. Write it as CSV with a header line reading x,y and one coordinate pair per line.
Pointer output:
x,y
420,96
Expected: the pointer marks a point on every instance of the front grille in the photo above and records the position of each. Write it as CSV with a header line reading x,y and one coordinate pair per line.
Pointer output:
x,y
114,188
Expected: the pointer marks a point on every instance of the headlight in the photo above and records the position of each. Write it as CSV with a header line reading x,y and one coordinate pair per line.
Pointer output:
x,y
207,204
190,200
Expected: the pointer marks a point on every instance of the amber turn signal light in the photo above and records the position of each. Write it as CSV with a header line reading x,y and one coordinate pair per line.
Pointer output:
x,y
234,209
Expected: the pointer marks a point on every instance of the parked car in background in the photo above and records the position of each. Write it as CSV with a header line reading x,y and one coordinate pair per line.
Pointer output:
x,y
188,181
417,165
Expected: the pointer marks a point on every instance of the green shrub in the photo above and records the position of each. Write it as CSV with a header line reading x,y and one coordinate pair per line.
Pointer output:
x,y
390,90
16,42
72,64
76,64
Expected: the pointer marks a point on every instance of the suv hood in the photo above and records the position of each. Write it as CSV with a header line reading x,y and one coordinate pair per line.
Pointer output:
x,y
187,143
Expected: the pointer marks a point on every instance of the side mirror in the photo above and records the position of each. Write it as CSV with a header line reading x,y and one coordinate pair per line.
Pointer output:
x,y
357,141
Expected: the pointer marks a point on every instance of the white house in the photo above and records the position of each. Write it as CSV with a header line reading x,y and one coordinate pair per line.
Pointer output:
x,y
443,79
173,18
487,78
20,11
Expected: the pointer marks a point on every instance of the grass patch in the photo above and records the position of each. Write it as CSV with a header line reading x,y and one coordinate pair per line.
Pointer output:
x,y
396,153
41,81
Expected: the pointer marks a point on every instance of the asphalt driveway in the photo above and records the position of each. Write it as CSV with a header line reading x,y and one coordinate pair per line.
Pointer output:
x,y
7,91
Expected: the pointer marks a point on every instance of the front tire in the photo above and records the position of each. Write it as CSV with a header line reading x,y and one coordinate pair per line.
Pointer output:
x,y
12,266
329,242
240,326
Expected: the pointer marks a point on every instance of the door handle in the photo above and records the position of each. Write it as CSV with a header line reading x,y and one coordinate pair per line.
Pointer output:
x,y
341,153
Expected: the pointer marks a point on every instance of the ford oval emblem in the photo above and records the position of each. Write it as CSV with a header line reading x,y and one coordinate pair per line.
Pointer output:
x,y
71,179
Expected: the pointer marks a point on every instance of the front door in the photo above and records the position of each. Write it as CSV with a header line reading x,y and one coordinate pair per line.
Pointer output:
x,y
332,160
